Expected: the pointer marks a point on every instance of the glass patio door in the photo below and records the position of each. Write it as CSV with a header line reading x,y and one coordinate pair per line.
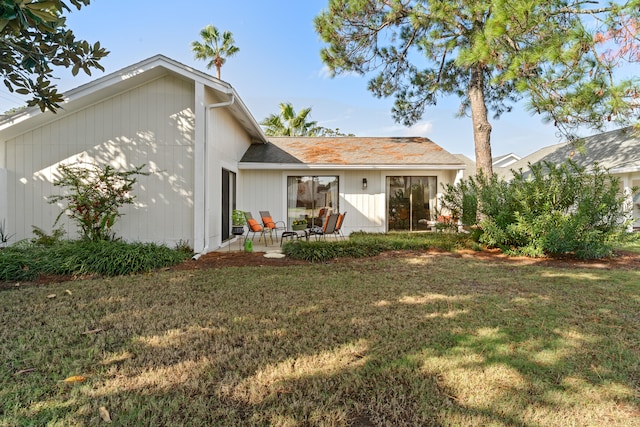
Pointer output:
x,y
411,202
228,202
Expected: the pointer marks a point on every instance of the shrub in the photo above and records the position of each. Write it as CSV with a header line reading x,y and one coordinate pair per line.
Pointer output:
x,y
95,196
44,239
81,257
362,244
550,210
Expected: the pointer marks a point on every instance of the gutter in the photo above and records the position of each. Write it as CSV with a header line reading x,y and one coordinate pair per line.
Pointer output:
x,y
207,108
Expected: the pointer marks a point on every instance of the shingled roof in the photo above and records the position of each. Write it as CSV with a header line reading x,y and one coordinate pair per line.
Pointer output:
x,y
617,150
345,152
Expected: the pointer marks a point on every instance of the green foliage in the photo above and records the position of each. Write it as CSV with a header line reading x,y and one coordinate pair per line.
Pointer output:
x,y
95,196
84,257
184,246
44,239
4,235
550,211
290,123
216,47
35,38
238,218
362,245
556,54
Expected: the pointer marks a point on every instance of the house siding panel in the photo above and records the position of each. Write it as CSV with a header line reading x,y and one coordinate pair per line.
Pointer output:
x,y
151,124
366,208
227,142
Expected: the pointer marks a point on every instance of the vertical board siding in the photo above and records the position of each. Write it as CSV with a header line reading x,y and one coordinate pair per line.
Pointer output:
x,y
151,124
366,208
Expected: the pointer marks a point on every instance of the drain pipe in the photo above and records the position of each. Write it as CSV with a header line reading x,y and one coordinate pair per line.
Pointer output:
x,y
207,108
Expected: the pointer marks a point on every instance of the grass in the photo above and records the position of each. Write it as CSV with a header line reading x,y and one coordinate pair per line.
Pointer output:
x,y
421,340
630,243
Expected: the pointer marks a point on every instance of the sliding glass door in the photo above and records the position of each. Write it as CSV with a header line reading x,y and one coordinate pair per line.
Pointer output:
x,y
228,201
411,202
309,198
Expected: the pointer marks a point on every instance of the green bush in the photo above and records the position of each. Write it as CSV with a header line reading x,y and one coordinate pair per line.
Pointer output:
x,y
81,257
550,210
94,195
362,244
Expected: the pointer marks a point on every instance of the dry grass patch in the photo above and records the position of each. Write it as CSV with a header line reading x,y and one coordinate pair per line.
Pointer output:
x,y
419,341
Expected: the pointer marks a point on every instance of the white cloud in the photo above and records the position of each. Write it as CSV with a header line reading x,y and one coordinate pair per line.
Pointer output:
x,y
325,73
418,129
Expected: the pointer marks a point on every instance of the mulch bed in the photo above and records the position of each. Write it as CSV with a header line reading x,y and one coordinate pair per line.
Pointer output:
x,y
621,260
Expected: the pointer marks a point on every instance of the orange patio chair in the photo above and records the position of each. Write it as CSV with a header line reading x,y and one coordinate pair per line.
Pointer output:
x,y
339,222
255,227
271,225
329,227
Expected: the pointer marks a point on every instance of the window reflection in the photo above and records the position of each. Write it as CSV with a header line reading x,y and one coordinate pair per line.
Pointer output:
x,y
310,199
411,202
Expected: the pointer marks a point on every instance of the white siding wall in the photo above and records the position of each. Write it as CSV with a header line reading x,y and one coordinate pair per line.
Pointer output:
x,y
628,182
366,208
152,124
3,198
227,143
264,190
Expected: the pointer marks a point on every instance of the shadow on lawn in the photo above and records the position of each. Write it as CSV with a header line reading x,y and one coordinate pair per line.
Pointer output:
x,y
370,346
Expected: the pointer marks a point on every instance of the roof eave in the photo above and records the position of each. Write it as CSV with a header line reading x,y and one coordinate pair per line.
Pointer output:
x,y
152,67
325,166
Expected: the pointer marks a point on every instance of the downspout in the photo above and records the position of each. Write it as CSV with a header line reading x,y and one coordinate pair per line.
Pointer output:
x,y
207,108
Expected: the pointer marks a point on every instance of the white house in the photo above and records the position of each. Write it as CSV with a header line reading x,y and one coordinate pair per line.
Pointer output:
x,y
207,155
618,151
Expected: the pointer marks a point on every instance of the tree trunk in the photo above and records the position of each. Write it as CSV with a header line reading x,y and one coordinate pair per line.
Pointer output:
x,y
481,125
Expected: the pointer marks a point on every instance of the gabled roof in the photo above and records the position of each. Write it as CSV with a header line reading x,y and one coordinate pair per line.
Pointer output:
x,y
123,80
505,160
349,153
617,150
470,165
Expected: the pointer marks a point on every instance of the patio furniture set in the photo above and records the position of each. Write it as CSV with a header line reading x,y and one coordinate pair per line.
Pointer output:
x,y
267,227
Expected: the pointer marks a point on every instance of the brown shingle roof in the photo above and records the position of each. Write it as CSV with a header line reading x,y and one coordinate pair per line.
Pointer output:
x,y
343,151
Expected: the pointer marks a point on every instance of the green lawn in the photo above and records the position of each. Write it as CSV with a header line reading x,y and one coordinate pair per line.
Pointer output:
x,y
430,340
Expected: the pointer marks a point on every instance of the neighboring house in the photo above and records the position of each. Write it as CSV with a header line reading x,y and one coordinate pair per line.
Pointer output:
x,y
207,155
505,160
617,151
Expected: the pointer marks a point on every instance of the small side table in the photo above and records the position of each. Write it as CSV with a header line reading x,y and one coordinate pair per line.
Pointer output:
x,y
294,234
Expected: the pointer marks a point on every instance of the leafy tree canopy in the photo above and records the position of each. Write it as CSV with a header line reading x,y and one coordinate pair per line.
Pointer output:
x,y
216,47
559,55
34,40
290,123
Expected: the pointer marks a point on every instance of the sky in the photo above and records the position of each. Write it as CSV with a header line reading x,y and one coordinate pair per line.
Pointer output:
x,y
279,61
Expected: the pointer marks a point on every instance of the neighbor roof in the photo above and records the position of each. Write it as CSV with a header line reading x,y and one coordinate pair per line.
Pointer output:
x,y
349,152
617,150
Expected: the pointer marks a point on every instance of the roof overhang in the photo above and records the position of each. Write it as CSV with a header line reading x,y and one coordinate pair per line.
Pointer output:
x,y
311,166
124,80
627,169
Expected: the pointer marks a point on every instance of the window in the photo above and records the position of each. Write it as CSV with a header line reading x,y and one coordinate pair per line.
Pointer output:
x,y
309,198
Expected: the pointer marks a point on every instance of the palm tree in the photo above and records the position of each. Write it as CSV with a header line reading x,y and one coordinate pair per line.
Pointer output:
x,y
216,49
288,123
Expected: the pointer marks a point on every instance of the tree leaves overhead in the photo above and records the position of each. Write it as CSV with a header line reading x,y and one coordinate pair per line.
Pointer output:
x,y
34,40
560,55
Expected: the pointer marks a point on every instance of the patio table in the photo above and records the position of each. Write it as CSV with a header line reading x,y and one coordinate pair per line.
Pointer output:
x,y
294,234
